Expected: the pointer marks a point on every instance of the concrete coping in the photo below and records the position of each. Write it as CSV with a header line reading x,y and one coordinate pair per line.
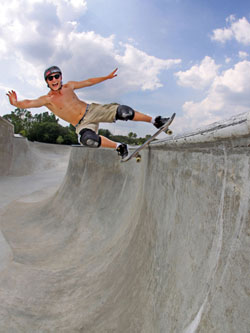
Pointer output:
x,y
235,127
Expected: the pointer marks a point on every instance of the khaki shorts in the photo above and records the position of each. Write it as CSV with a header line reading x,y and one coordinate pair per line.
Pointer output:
x,y
96,114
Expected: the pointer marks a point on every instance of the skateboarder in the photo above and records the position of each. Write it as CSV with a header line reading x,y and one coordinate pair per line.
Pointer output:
x,y
63,102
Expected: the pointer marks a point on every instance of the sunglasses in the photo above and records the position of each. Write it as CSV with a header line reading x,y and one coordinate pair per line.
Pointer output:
x,y
51,77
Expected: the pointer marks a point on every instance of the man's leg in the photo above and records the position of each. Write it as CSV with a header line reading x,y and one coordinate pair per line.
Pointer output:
x,y
91,139
107,143
125,112
121,148
142,117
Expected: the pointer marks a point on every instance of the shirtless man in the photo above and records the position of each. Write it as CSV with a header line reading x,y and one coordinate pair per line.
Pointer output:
x,y
64,103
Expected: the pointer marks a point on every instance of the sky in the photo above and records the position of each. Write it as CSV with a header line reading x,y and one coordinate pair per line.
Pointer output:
x,y
191,57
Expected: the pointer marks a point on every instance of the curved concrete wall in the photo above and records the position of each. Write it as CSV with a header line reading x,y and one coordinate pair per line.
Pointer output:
x,y
159,246
6,145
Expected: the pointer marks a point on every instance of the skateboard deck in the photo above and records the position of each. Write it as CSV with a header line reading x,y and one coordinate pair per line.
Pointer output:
x,y
136,153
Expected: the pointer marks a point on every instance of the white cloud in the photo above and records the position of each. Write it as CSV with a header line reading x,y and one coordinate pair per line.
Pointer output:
x,y
3,48
236,79
198,76
35,34
71,9
243,55
141,69
228,95
238,30
222,35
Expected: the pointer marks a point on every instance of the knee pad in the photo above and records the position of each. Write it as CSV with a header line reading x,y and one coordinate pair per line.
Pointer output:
x,y
89,138
124,112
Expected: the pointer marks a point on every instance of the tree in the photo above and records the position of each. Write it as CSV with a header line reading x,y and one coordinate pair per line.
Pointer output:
x,y
59,140
44,132
46,117
132,135
21,119
105,132
44,127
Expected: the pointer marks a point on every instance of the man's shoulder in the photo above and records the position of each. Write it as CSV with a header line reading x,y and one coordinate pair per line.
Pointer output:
x,y
46,98
68,85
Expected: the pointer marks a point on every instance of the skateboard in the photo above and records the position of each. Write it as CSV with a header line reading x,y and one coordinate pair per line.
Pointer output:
x,y
136,153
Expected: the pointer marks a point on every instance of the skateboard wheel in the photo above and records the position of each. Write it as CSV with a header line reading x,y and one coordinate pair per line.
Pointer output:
x,y
138,158
169,132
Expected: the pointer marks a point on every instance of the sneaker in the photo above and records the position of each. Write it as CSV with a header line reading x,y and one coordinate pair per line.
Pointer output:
x,y
122,150
159,121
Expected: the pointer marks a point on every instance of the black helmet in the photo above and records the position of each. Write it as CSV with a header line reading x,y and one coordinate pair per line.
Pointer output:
x,y
51,70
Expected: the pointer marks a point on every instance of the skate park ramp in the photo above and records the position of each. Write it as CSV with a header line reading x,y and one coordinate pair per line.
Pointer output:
x,y
157,246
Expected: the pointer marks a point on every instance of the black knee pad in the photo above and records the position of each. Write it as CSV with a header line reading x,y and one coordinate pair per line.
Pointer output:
x,y
90,138
124,112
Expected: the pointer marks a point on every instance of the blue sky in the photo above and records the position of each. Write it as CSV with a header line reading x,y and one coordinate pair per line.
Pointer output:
x,y
191,57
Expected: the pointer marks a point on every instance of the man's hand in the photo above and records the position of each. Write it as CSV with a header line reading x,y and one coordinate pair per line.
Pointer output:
x,y
113,74
12,97
27,103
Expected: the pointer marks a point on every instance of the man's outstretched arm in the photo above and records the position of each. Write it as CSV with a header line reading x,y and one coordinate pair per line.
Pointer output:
x,y
26,103
92,81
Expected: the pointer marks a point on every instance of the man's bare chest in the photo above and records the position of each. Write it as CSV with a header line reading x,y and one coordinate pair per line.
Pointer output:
x,y
63,99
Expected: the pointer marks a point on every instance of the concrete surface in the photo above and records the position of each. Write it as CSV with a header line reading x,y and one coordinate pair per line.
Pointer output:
x,y
159,246
6,145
